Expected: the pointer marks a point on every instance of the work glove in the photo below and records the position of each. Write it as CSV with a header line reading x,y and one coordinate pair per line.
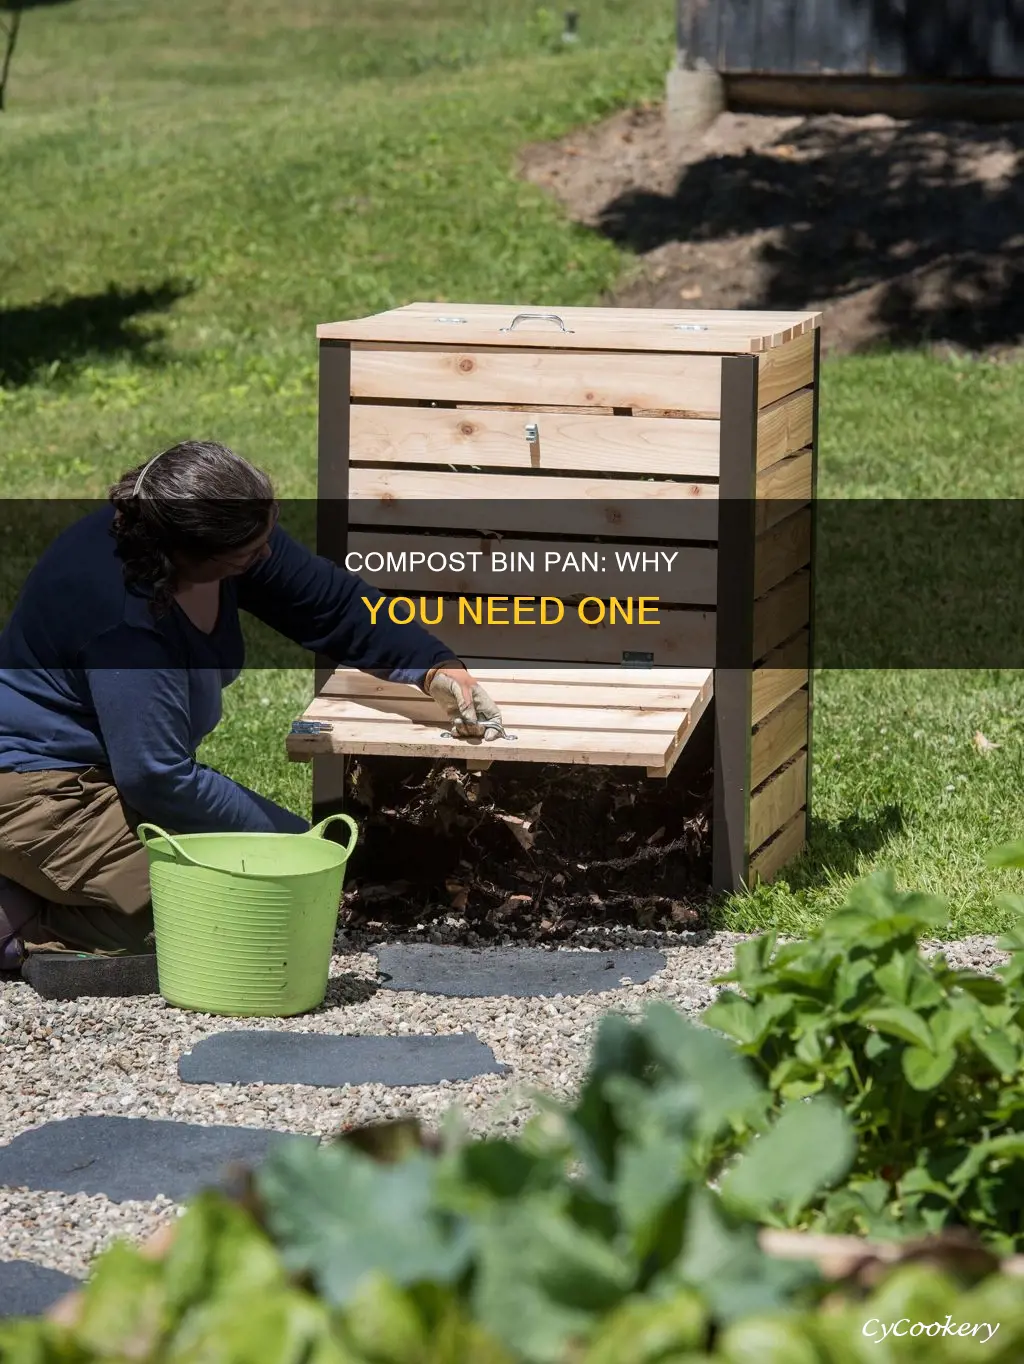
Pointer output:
x,y
467,706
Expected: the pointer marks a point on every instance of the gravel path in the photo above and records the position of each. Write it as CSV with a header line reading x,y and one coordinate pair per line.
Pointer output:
x,y
119,1057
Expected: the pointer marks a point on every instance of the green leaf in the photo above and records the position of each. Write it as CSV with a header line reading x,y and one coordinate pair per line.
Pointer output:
x,y
1007,855
876,899
339,1215
898,1021
998,1048
496,1169
726,1263
925,1069
924,991
1008,1146
772,1340
808,1047
649,1331
283,1326
751,959
876,1046
725,1082
382,1323
218,1251
850,977
650,1175
801,1089
947,1026
733,1015
541,1280
29,1340
920,1180
873,1193
893,978
985,989
809,1146
124,1304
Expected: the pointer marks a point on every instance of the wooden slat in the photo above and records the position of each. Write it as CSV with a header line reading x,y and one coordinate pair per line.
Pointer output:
x,y
778,737
397,719
784,672
782,551
783,428
683,639
422,712
496,439
778,800
399,739
492,672
691,579
519,375
808,35
781,487
524,503
781,613
782,370
622,329
787,844
570,690
737,37
694,712
775,34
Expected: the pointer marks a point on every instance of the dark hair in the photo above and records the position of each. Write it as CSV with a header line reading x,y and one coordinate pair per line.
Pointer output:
x,y
197,499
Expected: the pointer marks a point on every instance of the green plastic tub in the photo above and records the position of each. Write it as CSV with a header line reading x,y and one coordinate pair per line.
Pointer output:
x,y
245,922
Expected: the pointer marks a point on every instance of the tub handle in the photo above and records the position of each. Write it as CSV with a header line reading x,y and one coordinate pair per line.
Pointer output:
x,y
318,831
155,829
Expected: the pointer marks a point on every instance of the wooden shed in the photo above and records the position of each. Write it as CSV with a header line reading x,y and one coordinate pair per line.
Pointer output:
x,y
903,57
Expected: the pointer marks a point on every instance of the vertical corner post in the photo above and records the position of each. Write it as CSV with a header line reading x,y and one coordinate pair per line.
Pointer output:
x,y
812,586
734,622
333,432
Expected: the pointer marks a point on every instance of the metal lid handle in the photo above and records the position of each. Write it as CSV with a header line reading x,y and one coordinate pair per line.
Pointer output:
x,y
535,317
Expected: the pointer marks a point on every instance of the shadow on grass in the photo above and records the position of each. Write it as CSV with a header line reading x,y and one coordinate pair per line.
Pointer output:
x,y
38,336
835,848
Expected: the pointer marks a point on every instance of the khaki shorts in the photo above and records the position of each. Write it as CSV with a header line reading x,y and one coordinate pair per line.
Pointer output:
x,y
66,836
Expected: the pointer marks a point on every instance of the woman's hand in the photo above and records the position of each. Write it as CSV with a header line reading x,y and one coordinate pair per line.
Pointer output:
x,y
471,711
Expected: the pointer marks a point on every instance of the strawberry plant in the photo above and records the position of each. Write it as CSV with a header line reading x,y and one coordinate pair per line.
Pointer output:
x,y
925,1059
598,1226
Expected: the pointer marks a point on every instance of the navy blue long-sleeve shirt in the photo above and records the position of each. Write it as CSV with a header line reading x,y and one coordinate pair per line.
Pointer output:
x,y
89,677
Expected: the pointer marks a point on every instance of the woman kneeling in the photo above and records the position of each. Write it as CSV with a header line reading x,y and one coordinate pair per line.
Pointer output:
x,y
112,666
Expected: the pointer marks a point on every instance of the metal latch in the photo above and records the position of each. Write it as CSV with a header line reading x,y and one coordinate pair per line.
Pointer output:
x,y
311,727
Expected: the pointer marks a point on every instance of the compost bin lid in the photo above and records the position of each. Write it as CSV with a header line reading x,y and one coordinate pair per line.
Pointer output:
x,y
535,326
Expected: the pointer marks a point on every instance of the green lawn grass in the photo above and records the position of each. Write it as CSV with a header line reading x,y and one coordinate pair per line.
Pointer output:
x,y
187,193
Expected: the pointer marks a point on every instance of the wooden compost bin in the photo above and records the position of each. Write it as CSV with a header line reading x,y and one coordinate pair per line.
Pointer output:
x,y
635,428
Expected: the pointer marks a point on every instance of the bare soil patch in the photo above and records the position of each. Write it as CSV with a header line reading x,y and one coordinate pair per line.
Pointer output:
x,y
907,232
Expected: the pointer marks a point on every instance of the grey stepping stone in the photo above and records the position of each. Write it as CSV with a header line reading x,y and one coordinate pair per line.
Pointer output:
x,y
296,1058
129,1158
28,1290
522,972
66,975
